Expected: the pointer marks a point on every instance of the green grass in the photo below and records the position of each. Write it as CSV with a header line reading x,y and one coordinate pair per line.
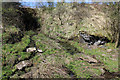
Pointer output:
x,y
111,65
79,67
76,66
29,33
110,45
10,55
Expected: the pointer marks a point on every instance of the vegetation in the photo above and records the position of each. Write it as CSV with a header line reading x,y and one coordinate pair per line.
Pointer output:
x,y
53,32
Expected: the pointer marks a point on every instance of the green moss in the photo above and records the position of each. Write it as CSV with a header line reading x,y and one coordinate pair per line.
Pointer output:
x,y
78,67
49,52
17,47
96,71
36,58
20,46
111,65
23,55
29,33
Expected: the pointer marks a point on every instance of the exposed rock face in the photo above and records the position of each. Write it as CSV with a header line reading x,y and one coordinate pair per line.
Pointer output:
x,y
92,40
87,38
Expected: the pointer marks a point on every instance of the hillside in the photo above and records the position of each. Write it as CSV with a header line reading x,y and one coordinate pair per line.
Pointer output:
x,y
70,40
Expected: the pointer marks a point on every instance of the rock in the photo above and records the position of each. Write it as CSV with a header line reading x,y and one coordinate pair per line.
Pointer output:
x,y
32,49
85,36
109,50
81,40
102,46
92,39
90,59
97,43
102,42
102,70
39,50
23,64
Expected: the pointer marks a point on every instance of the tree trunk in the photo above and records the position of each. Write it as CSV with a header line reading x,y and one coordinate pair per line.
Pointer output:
x,y
118,34
117,41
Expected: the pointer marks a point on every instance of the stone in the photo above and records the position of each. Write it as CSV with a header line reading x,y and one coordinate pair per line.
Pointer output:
x,y
32,49
81,40
23,64
102,70
85,36
39,50
102,42
109,50
97,43
90,59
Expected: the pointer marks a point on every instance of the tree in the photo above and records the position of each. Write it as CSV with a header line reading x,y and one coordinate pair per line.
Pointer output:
x,y
115,18
118,33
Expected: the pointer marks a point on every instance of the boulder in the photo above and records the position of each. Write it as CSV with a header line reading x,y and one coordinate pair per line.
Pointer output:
x,y
97,43
39,50
88,58
23,64
32,49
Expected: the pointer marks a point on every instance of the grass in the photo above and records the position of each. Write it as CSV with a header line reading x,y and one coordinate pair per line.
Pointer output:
x,y
76,66
62,56
79,68
111,65
10,55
